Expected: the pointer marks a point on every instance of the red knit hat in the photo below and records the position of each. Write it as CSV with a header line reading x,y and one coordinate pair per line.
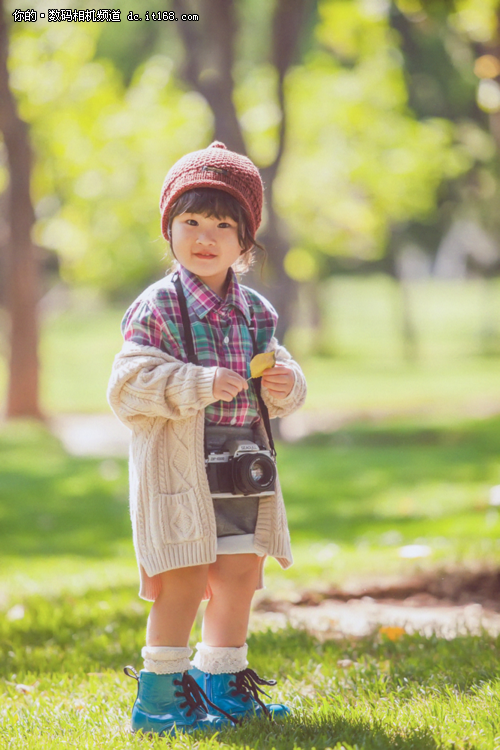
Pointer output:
x,y
215,167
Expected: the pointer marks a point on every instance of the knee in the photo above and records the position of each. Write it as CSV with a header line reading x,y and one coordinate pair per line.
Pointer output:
x,y
191,581
240,577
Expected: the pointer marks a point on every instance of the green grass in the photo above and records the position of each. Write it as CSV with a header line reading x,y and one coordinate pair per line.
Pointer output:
x,y
452,319
414,693
71,619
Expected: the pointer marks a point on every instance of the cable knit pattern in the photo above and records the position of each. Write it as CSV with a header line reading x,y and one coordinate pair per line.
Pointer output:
x,y
162,400
219,660
166,659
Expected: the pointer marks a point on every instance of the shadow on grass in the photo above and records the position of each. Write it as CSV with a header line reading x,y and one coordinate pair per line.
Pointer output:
x,y
55,504
368,479
321,732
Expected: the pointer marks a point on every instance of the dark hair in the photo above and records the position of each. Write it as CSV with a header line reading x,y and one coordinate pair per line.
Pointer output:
x,y
218,203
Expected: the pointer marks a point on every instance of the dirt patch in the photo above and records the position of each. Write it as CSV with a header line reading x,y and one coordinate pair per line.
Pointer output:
x,y
445,588
446,603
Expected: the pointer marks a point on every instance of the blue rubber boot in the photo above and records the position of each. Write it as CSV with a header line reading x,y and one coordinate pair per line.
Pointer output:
x,y
238,694
171,703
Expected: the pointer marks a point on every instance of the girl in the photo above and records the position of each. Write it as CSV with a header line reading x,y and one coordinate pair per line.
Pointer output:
x,y
181,383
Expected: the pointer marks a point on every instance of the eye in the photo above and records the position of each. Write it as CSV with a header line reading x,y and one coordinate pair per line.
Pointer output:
x,y
226,225
192,222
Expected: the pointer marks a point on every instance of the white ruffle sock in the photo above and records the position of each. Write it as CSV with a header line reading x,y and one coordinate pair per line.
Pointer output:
x,y
166,659
220,660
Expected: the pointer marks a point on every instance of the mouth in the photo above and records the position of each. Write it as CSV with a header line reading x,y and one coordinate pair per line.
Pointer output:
x,y
205,255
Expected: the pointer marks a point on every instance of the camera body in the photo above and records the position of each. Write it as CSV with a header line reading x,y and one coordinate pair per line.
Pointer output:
x,y
237,463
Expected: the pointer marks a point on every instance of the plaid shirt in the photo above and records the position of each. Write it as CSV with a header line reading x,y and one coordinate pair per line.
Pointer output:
x,y
220,333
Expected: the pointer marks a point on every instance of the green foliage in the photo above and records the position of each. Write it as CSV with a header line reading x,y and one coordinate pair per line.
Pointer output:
x,y
358,161
476,19
374,129
103,151
383,130
258,112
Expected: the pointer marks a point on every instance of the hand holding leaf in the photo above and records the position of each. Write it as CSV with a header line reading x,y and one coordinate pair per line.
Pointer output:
x,y
262,362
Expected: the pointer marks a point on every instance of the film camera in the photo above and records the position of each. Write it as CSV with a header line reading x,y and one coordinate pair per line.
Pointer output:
x,y
237,463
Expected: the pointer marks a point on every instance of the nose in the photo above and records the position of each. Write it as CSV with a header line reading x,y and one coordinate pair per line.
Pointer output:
x,y
205,237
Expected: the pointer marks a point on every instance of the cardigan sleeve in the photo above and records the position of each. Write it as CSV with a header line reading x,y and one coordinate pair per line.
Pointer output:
x,y
146,382
282,407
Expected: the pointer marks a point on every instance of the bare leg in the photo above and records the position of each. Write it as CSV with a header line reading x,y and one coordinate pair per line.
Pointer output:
x,y
172,614
233,580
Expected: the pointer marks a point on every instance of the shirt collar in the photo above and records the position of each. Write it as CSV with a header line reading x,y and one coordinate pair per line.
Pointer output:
x,y
203,300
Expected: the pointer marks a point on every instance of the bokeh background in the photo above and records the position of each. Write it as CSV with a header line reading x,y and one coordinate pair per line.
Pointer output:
x,y
376,126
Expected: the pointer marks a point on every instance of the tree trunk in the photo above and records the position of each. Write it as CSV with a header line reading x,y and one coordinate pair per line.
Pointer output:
x,y
208,63
404,312
279,286
408,328
21,267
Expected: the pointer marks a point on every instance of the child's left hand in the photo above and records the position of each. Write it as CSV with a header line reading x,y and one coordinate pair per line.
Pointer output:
x,y
279,380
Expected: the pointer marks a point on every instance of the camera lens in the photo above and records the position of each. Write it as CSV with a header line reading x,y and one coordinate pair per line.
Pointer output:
x,y
254,473
257,472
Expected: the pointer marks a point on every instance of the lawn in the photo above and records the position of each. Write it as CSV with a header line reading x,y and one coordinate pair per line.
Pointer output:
x,y
71,618
364,693
356,498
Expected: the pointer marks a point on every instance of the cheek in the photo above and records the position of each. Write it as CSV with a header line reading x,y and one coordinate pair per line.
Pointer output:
x,y
178,235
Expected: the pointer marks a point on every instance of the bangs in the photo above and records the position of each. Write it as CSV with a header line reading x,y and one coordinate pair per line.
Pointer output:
x,y
222,205
210,202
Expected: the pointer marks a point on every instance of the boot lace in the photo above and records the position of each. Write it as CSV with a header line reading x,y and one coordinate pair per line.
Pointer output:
x,y
195,697
246,683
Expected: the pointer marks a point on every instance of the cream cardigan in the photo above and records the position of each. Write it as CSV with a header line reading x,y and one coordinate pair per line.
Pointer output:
x,y
162,400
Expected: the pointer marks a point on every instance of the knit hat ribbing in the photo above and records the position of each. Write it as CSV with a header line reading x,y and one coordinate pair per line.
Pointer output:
x,y
215,167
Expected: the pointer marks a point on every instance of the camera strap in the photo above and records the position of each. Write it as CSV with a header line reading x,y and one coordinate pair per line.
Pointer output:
x,y
186,324
188,335
257,384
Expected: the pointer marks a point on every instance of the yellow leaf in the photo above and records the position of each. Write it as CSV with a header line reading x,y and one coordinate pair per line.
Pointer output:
x,y
262,362
393,632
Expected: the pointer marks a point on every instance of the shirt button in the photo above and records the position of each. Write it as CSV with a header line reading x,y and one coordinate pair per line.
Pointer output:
x,y
226,339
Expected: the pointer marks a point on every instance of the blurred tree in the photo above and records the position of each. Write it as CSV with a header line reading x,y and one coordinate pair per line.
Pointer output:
x,y
359,161
447,46
439,42
21,265
102,151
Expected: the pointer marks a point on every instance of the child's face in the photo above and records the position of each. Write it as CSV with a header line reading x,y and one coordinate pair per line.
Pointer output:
x,y
206,246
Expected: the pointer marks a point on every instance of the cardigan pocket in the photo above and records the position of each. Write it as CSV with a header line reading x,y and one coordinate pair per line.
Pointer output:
x,y
178,519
